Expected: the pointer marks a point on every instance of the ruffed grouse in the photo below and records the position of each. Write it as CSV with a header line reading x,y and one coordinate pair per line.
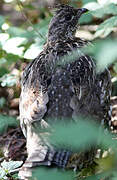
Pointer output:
x,y
52,91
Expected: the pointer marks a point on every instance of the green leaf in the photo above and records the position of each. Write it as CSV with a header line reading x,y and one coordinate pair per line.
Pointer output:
x,y
15,31
7,121
11,58
2,173
18,32
3,71
11,165
108,9
106,27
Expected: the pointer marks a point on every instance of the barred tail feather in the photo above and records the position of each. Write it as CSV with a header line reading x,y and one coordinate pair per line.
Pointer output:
x,y
53,158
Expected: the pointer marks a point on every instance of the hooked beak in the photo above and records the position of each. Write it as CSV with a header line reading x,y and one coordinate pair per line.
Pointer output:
x,y
81,11
84,10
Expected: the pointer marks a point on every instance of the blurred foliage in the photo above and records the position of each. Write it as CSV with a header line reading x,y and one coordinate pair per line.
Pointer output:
x,y
100,48
23,32
71,136
51,174
67,134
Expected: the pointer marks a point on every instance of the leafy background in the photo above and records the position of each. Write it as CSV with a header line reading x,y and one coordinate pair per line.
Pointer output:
x,y
23,31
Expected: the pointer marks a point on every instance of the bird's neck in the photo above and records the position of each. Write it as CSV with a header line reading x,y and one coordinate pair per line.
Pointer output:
x,y
68,40
60,36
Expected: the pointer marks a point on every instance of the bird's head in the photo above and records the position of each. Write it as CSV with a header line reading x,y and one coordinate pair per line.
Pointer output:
x,y
64,23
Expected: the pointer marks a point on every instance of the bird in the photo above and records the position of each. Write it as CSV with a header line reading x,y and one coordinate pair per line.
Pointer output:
x,y
56,87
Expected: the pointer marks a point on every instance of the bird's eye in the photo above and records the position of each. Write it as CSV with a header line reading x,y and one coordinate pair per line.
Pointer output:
x,y
68,17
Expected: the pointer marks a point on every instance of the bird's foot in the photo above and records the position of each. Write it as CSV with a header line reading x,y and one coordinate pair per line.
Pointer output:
x,y
28,167
25,173
35,159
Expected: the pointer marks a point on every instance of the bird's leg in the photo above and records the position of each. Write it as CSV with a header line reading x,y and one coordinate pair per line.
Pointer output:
x,y
37,148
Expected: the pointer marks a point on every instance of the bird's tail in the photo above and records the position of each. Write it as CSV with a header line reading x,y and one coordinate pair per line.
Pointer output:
x,y
65,159
61,158
57,158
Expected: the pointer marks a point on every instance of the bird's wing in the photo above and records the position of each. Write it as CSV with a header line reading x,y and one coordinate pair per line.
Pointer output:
x,y
33,97
91,90
33,102
102,89
82,74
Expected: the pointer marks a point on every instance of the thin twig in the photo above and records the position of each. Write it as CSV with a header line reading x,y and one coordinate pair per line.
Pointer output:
x,y
15,171
21,7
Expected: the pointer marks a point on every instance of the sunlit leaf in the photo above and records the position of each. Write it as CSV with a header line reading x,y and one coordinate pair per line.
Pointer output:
x,y
109,9
3,38
92,6
12,45
2,173
11,165
103,2
33,51
106,27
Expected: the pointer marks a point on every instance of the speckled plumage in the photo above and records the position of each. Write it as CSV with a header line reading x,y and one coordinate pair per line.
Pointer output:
x,y
54,88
